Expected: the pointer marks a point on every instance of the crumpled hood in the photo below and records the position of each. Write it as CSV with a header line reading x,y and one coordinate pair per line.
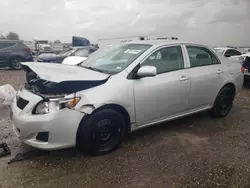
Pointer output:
x,y
48,56
59,72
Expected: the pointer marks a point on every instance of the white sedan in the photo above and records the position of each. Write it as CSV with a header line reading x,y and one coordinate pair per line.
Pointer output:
x,y
228,52
120,90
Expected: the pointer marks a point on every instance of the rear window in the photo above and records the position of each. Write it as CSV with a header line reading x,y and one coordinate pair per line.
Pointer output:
x,y
9,44
6,44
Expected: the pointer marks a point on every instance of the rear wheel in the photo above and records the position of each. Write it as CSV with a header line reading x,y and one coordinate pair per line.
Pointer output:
x,y
15,63
102,132
223,103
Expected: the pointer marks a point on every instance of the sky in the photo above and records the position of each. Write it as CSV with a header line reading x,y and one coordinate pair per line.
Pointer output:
x,y
213,22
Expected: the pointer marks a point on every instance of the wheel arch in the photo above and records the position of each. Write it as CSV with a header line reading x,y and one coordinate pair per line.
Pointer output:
x,y
14,56
232,86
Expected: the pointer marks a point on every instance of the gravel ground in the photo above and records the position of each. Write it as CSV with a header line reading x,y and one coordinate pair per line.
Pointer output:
x,y
196,151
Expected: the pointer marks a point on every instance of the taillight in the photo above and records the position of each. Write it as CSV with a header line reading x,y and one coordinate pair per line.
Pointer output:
x,y
27,49
242,69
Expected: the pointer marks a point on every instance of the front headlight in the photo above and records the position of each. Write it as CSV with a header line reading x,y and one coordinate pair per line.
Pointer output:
x,y
55,105
42,108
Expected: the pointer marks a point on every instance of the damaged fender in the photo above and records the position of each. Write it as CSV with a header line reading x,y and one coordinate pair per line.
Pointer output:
x,y
89,108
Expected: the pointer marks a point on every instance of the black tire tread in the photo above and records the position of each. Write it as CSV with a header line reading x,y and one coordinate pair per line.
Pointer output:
x,y
85,129
214,112
11,62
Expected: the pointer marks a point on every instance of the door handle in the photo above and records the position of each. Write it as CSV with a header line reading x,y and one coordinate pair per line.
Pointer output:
x,y
9,51
183,78
219,71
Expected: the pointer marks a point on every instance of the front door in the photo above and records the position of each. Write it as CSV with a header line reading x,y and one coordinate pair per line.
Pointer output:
x,y
206,74
166,94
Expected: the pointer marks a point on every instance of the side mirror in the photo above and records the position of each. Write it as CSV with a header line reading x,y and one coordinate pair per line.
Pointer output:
x,y
227,55
147,71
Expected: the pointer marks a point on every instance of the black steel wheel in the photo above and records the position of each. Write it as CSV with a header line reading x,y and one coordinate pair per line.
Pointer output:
x,y
223,103
102,132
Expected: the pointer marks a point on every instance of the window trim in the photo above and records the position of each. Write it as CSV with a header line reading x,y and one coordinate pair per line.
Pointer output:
x,y
203,47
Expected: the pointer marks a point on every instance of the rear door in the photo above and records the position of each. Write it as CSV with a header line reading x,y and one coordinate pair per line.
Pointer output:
x,y
3,55
5,52
206,74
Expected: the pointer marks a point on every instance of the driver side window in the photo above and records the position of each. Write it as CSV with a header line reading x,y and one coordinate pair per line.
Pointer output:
x,y
166,59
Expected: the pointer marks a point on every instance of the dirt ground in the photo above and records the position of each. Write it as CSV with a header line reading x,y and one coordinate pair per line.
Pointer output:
x,y
195,151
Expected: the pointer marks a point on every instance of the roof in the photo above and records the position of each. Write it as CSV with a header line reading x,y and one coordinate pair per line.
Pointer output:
x,y
10,41
225,48
161,42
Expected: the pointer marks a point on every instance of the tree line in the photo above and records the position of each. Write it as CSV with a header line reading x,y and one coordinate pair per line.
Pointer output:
x,y
10,36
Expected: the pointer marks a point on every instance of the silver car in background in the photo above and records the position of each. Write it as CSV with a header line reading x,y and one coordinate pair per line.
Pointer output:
x,y
120,90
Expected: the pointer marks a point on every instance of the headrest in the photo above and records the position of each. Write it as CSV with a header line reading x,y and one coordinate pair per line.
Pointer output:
x,y
202,56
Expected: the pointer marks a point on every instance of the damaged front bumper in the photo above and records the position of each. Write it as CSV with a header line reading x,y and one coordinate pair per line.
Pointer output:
x,y
55,130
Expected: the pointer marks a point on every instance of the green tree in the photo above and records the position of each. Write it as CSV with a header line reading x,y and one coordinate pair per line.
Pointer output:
x,y
12,36
57,42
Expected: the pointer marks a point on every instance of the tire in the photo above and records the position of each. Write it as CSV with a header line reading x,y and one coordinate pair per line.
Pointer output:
x,y
30,76
15,63
223,103
101,132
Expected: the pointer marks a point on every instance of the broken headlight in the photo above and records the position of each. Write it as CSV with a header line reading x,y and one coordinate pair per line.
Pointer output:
x,y
42,108
55,105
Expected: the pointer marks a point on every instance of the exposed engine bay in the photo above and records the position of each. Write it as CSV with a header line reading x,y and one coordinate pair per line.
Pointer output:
x,y
48,88
55,81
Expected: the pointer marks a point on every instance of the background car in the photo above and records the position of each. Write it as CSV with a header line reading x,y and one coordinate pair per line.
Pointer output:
x,y
82,51
12,53
228,52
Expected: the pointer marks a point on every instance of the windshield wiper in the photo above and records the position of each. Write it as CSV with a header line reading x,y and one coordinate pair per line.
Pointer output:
x,y
94,69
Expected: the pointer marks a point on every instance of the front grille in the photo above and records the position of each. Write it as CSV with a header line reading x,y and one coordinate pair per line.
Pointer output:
x,y
21,103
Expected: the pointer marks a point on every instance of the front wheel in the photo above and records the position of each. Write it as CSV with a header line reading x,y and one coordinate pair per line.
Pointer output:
x,y
102,132
15,63
223,103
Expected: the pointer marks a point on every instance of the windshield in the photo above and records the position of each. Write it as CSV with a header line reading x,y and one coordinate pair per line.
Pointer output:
x,y
82,52
67,52
114,59
220,50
